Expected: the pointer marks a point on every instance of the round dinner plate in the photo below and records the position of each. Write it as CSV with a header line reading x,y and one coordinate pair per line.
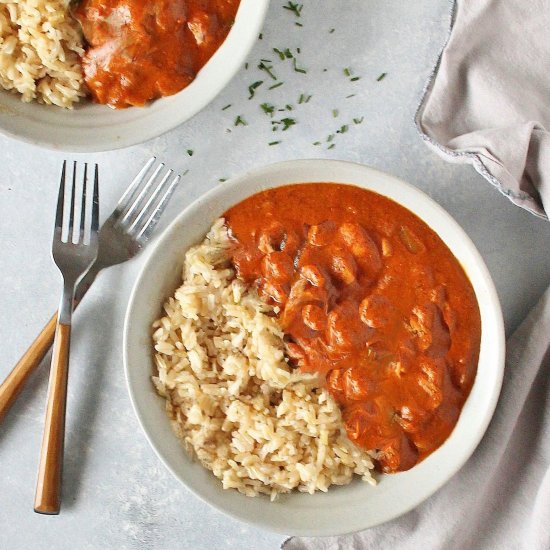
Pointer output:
x,y
344,509
91,128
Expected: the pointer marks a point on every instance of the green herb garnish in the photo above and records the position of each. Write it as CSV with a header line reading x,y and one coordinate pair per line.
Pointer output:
x,y
298,69
279,53
267,68
276,85
285,122
226,107
239,121
381,77
252,88
294,7
267,108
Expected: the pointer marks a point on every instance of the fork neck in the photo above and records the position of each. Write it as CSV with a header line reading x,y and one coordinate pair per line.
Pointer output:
x,y
65,313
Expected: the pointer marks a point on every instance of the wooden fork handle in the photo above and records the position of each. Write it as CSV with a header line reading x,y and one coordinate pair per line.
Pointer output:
x,y
48,487
13,384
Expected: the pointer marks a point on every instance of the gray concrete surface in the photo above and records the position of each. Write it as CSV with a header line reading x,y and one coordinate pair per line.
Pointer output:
x,y
116,492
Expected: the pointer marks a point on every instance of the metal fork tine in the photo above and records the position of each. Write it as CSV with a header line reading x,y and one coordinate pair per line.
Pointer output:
x,y
124,200
145,211
135,204
61,199
72,212
95,204
83,204
158,210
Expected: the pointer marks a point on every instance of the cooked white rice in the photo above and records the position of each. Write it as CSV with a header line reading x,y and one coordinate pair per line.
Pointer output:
x,y
233,399
40,44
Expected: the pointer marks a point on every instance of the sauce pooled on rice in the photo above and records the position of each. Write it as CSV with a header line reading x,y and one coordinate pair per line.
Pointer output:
x,y
372,298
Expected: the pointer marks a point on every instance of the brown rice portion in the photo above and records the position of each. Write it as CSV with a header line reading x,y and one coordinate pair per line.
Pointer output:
x,y
237,406
40,45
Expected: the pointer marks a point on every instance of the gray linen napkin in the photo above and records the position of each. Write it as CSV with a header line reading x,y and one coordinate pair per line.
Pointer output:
x,y
501,498
488,100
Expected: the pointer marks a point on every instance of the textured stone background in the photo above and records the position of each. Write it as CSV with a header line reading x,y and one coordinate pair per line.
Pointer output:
x,y
117,493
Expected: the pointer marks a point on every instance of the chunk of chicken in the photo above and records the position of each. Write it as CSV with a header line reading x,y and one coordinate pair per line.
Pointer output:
x,y
376,311
277,267
322,234
362,247
343,266
276,292
356,387
430,329
314,317
411,241
270,239
345,331
314,275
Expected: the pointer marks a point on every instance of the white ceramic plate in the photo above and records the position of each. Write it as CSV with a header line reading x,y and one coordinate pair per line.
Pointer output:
x,y
91,128
343,509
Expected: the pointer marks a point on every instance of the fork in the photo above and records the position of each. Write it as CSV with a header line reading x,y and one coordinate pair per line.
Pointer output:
x,y
74,250
121,237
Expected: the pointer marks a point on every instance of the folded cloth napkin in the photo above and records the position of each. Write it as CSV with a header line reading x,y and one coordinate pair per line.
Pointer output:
x,y
488,100
501,497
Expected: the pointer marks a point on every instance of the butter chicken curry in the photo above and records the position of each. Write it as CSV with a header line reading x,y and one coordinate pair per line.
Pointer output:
x,y
369,296
140,50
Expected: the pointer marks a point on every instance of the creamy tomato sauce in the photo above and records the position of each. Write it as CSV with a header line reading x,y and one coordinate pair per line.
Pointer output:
x,y
140,50
372,298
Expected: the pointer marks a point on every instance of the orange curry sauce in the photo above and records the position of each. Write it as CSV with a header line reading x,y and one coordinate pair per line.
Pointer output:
x,y
140,50
371,297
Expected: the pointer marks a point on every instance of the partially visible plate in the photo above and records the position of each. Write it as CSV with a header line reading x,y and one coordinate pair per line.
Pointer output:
x,y
343,509
90,128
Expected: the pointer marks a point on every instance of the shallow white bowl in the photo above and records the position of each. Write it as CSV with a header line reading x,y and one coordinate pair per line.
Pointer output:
x,y
92,128
343,509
